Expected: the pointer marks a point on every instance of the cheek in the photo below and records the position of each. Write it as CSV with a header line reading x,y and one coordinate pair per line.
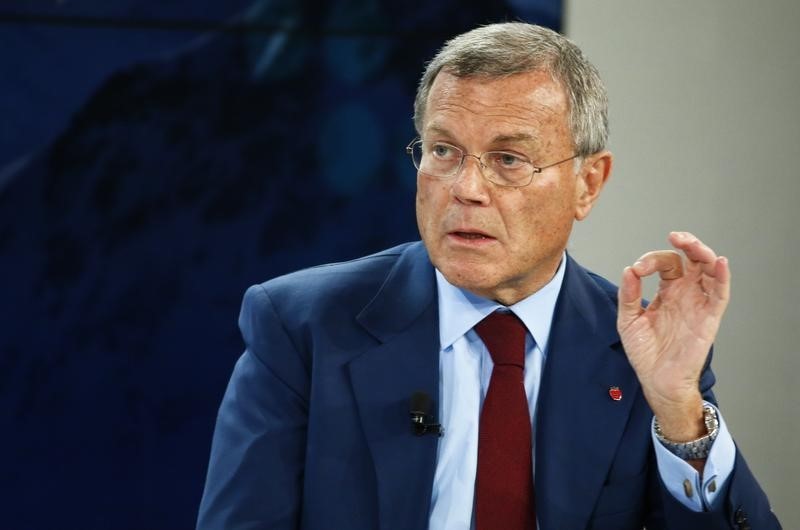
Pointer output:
x,y
559,198
543,217
425,214
421,204
429,200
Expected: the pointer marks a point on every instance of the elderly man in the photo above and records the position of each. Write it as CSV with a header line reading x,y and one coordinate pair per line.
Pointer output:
x,y
482,378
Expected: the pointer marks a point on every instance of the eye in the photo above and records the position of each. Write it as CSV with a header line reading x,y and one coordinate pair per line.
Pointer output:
x,y
505,160
444,151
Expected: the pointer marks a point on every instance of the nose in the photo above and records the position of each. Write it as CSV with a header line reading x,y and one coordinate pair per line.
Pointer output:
x,y
469,186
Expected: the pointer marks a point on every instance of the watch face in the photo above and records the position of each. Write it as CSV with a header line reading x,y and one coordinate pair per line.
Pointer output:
x,y
710,418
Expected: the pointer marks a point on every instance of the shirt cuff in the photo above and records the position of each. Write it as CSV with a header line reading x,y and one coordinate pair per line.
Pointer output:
x,y
683,481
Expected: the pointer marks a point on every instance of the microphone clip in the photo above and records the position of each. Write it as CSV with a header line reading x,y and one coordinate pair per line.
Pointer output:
x,y
422,424
422,421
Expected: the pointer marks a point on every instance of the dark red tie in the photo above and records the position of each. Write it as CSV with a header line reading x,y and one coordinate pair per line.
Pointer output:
x,y
504,483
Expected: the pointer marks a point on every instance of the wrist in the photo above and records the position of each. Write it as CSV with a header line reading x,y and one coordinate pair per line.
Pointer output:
x,y
680,421
696,449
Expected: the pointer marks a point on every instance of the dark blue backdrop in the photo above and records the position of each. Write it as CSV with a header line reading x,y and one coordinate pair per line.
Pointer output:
x,y
156,158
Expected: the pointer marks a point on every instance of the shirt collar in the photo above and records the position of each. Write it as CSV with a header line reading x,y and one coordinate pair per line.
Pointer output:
x,y
460,310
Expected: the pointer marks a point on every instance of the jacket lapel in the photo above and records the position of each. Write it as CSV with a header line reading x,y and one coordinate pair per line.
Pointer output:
x,y
578,424
403,317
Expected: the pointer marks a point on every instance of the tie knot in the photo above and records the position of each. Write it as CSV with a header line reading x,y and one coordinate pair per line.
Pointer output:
x,y
504,337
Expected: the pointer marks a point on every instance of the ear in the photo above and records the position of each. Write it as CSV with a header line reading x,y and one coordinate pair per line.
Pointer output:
x,y
592,176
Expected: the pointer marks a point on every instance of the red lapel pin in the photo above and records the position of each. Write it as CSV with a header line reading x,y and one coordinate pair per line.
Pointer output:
x,y
615,393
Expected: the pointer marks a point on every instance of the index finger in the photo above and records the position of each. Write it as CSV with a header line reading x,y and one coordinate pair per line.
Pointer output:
x,y
667,263
695,250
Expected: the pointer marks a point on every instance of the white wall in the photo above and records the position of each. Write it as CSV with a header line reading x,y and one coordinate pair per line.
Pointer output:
x,y
705,127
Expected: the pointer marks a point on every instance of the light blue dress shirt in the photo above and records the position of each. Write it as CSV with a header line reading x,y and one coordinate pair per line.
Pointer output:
x,y
465,368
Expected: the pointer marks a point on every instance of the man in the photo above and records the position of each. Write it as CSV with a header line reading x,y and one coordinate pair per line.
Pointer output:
x,y
545,380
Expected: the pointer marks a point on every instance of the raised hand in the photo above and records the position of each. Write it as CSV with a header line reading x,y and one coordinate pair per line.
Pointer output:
x,y
667,343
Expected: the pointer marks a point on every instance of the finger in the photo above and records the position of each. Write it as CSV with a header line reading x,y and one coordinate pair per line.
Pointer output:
x,y
720,288
695,250
717,287
630,299
667,263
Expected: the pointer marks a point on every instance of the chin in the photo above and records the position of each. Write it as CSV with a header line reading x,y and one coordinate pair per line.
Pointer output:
x,y
467,276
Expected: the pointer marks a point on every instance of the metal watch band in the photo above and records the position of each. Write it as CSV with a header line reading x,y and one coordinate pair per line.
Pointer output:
x,y
696,449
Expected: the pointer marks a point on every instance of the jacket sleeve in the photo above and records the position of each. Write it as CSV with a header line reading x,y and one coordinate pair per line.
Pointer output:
x,y
255,474
741,505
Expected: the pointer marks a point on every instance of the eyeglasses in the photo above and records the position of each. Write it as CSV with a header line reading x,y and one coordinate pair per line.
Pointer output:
x,y
443,161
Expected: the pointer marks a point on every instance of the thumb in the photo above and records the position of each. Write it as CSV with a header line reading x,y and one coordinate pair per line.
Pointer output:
x,y
630,299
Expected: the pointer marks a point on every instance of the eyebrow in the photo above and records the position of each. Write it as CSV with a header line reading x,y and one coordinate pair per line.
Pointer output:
x,y
518,137
500,138
439,130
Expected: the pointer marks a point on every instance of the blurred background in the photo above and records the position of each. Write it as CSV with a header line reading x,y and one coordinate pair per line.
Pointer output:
x,y
156,158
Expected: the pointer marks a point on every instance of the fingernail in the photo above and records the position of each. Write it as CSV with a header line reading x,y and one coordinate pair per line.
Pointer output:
x,y
638,264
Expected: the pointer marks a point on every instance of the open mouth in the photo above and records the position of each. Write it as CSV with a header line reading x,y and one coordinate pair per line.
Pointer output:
x,y
471,236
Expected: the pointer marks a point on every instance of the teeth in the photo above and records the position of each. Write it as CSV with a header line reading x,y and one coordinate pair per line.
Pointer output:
x,y
467,235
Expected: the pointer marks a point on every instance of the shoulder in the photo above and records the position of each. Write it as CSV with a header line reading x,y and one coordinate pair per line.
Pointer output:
x,y
336,277
610,289
598,284
330,286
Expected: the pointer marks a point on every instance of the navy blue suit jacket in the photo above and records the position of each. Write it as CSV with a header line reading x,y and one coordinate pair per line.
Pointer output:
x,y
314,429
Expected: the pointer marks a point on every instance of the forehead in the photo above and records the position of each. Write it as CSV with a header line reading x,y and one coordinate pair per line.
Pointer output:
x,y
531,104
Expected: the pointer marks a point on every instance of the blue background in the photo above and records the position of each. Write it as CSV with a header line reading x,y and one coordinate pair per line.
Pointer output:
x,y
156,158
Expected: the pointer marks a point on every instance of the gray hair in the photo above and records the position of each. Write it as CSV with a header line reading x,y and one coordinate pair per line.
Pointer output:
x,y
499,50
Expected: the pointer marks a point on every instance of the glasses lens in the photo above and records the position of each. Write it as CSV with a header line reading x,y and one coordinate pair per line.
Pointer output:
x,y
436,159
506,169
442,160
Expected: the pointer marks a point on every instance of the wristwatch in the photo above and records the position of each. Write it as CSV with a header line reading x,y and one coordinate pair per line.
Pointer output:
x,y
696,449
